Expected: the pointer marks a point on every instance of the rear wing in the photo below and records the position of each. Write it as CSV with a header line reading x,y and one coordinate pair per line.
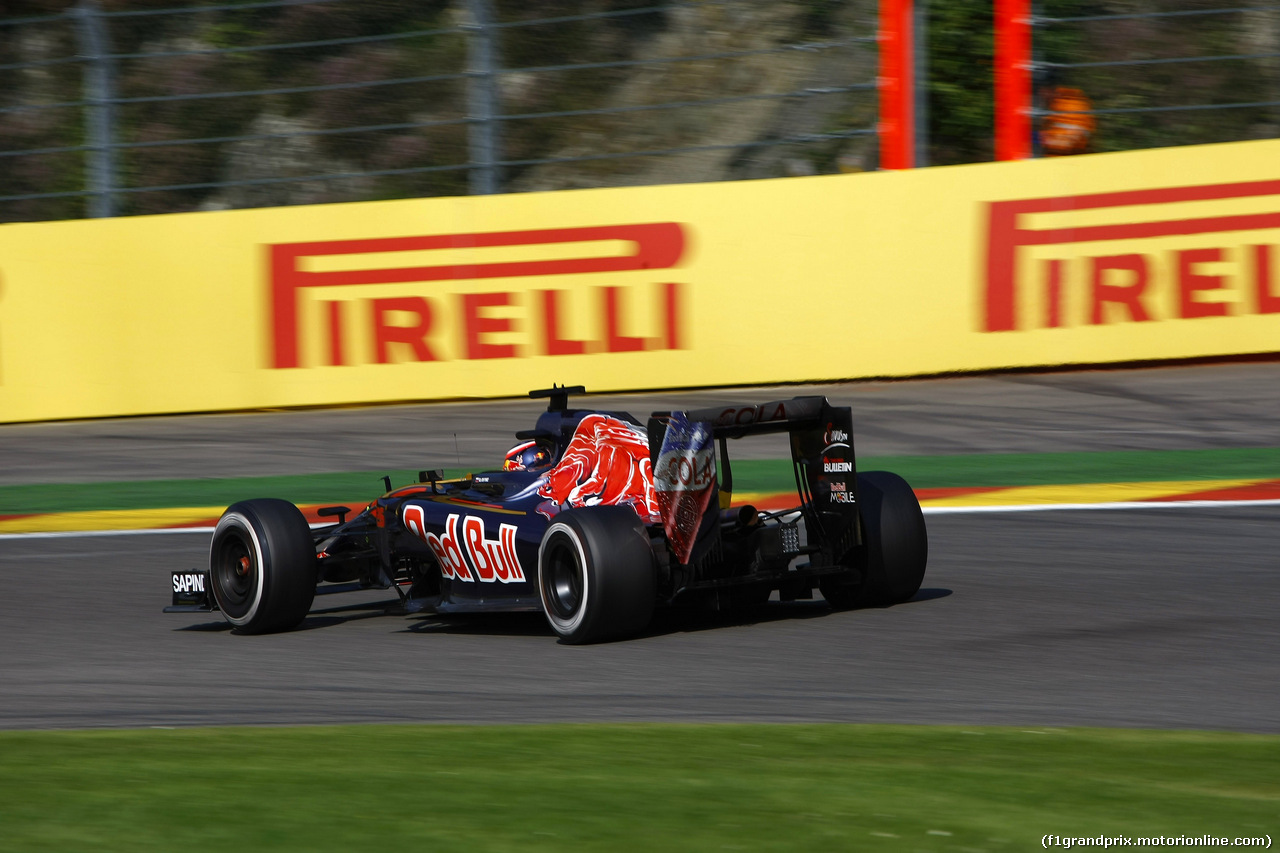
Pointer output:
x,y
778,416
693,475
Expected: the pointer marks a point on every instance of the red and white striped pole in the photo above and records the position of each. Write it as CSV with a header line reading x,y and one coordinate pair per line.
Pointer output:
x,y
896,85
1013,79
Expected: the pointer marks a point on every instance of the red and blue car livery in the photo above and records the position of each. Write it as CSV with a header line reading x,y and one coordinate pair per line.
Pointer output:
x,y
596,519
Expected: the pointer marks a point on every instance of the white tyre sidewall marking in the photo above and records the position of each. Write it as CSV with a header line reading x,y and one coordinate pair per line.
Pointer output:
x,y
565,626
235,519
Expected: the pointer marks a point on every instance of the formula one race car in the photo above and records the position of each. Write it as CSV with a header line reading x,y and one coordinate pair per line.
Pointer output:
x,y
594,520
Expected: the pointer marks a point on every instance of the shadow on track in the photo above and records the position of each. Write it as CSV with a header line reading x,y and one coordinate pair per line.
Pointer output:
x,y
688,620
325,618
666,620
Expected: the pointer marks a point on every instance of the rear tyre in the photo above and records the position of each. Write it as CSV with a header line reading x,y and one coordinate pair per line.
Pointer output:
x,y
596,574
895,547
262,566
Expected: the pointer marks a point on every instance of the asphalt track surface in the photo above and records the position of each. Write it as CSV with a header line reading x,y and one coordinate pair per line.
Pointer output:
x,y
1152,617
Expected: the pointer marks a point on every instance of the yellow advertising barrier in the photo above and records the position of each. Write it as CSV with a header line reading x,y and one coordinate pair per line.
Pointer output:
x,y
1147,255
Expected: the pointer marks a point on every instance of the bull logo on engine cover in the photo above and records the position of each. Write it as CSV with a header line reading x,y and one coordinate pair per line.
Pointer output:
x,y
606,464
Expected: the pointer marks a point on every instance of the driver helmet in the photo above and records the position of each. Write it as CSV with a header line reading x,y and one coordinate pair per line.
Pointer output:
x,y
527,456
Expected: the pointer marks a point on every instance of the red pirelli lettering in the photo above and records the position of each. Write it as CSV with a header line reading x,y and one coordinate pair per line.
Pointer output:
x,y
414,335
1191,282
1265,289
479,325
337,347
653,246
1008,232
554,344
615,341
1128,294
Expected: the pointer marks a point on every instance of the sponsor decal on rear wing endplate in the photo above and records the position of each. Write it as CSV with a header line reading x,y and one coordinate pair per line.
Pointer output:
x,y
688,472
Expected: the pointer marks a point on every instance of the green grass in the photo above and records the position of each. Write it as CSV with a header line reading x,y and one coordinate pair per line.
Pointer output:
x,y
923,472
626,787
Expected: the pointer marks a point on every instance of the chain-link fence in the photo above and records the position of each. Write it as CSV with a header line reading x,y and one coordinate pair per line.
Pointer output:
x,y
1161,73
111,108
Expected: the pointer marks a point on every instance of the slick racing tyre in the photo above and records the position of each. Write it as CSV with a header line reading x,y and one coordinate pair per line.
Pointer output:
x,y
596,575
895,547
262,566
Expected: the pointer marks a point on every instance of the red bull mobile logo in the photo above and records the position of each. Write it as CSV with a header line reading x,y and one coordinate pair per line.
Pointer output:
x,y
314,292
1214,268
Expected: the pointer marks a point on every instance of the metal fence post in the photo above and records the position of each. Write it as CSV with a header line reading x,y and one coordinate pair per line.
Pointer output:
x,y
482,93
100,165
920,77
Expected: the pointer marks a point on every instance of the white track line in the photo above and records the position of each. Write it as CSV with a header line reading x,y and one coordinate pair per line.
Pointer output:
x,y
928,510
83,534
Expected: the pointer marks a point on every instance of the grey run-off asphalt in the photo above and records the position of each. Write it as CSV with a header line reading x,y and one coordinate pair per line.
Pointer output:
x,y
1155,617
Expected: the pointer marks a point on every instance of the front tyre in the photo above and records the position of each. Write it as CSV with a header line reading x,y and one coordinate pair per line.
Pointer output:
x,y
895,546
596,574
262,566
